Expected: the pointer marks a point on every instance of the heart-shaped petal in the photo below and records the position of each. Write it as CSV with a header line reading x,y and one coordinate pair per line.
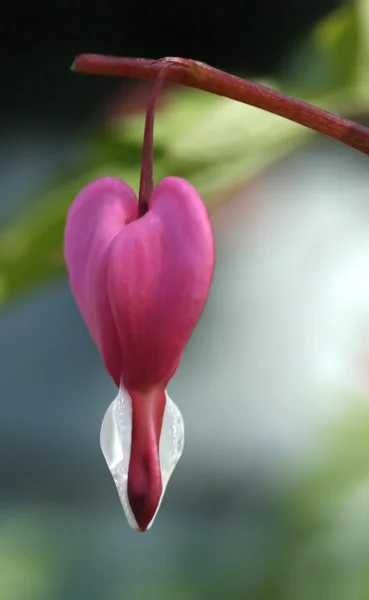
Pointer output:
x,y
140,284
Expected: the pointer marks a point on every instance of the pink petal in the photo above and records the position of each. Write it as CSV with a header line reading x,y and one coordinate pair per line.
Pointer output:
x,y
159,275
96,216
141,288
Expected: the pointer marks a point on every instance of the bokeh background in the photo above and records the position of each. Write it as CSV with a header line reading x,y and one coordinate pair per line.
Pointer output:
x,y
270,500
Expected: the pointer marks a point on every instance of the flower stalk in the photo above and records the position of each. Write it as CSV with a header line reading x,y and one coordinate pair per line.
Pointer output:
x,y
147,164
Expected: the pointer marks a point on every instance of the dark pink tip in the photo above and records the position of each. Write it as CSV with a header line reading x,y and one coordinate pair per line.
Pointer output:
x,y
144,475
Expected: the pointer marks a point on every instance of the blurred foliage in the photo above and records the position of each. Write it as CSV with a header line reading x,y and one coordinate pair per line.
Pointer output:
x,y
29,567
326,517
311,541
307,539
215,143
327,59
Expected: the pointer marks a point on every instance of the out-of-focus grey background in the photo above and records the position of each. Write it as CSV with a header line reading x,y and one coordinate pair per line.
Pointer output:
x,y
271,497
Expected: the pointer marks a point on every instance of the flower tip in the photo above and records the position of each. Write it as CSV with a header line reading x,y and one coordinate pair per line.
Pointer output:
x,y
140,490
144,507
143,512
79,61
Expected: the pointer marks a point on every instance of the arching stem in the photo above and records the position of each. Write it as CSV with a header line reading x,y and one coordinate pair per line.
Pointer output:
x,y
147,164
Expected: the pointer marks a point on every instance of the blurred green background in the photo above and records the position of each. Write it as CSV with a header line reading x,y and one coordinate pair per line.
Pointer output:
x,y
271,497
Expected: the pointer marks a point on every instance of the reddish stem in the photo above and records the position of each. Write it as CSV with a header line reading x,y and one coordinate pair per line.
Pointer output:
x,y
147,164
198,75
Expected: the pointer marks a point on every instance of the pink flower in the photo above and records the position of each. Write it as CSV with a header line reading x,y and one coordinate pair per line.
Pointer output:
x,y
141,285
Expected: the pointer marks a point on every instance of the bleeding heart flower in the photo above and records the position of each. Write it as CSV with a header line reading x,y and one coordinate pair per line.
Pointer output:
x,y
140,272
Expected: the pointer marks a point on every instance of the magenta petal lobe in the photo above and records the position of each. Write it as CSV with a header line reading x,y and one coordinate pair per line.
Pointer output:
x,y
159,276
98,214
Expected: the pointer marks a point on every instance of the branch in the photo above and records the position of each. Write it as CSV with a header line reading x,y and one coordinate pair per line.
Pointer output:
x,y
198,75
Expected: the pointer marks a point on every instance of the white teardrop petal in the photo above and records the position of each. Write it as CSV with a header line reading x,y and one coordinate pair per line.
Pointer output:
x,y
115,441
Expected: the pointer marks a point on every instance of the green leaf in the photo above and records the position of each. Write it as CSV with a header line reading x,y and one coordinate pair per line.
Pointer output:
x,y
326,60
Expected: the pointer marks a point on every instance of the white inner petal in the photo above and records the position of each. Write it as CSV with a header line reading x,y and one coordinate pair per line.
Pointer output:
x,y
115,441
